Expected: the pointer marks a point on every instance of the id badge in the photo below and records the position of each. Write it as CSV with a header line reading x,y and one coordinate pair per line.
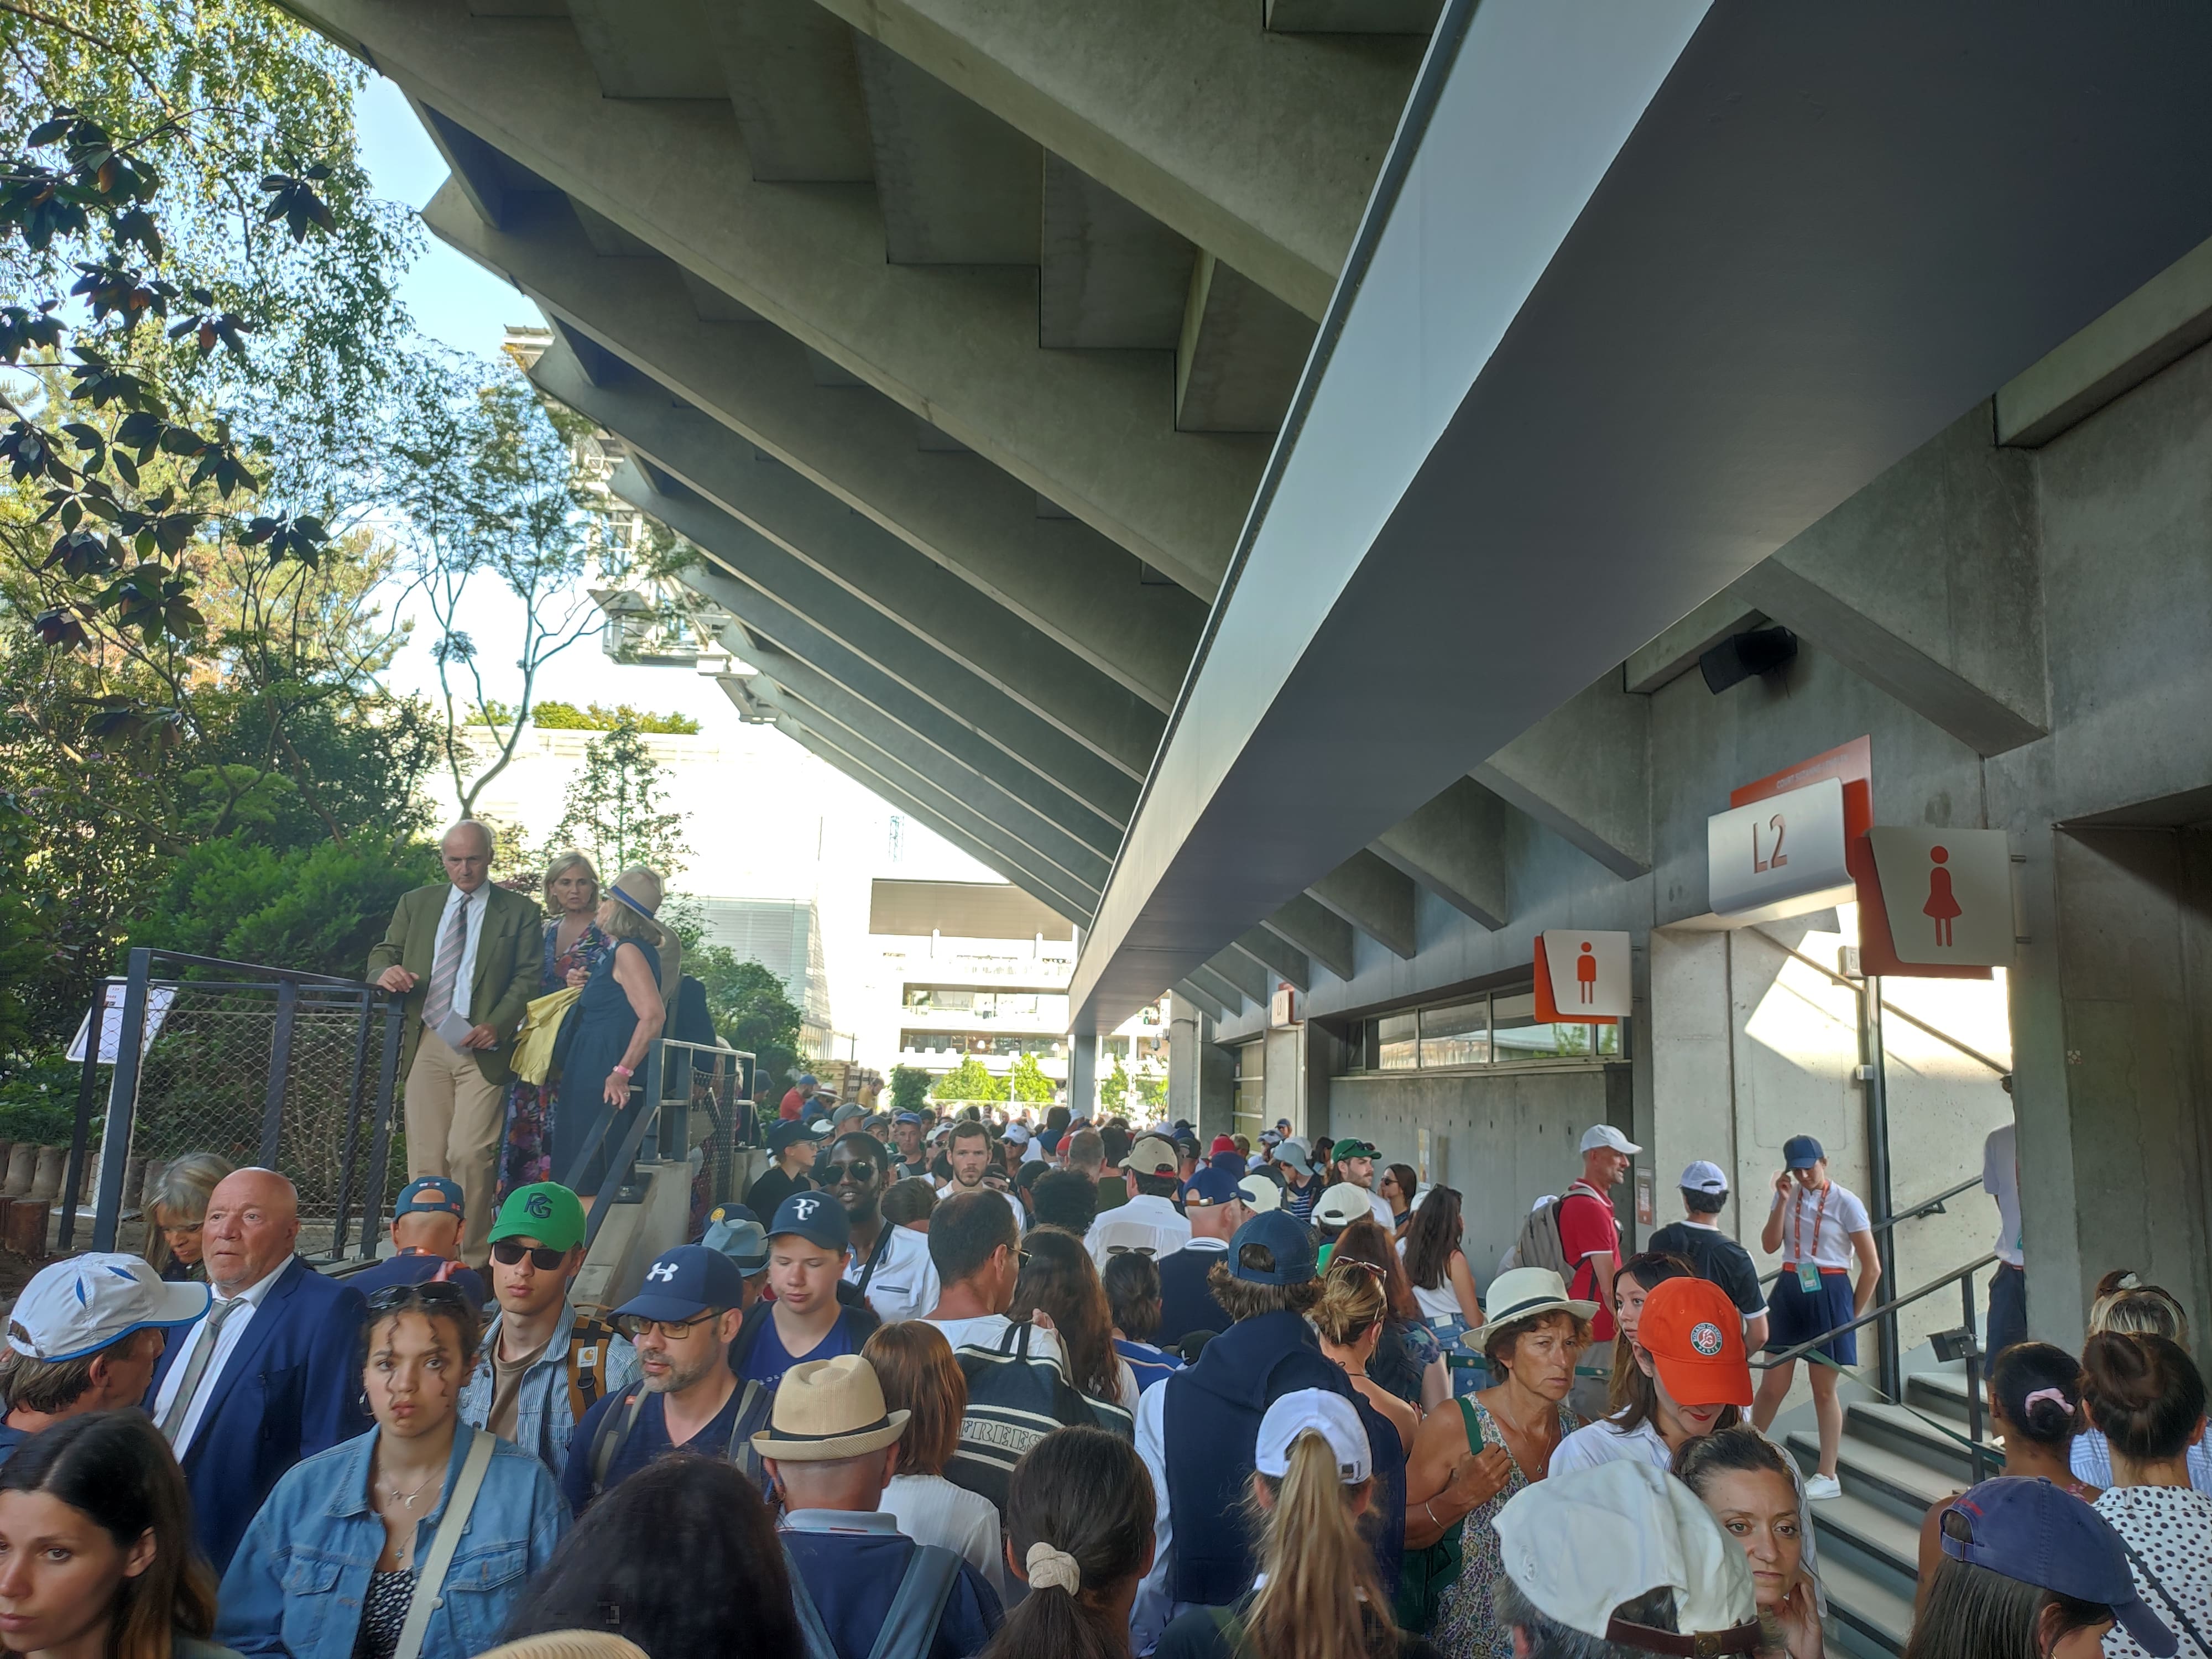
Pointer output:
x,y
1808,1277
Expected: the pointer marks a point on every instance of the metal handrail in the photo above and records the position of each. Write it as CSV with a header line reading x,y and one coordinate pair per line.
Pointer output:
x,y
654,1114
1926,1207
1789,1355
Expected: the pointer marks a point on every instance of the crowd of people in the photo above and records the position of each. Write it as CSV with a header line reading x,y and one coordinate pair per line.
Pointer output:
x,y
1019,1386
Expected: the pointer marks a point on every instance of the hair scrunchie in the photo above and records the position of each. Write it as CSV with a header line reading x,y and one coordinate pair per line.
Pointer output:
x,y
1054,1569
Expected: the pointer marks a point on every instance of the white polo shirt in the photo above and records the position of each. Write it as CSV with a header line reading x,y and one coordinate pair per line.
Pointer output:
x,y
904,1283
1146,1222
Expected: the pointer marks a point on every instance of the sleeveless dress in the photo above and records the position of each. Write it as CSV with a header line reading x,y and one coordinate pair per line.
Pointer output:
x,y
526,1156
605,1024
1467,1627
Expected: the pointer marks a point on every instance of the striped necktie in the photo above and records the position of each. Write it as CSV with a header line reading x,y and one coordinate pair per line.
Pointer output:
x,y
440,1002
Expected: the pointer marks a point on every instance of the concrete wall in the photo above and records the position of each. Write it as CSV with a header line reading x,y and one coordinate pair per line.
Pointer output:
x,y
1507,1137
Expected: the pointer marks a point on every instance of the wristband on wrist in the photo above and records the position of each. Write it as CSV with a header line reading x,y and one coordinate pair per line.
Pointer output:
x,y
624,1071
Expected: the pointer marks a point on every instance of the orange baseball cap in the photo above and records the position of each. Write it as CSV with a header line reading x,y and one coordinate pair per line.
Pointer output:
x,y
1695,1337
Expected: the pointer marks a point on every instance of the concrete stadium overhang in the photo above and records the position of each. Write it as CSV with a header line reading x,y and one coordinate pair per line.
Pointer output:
x,y
1645,292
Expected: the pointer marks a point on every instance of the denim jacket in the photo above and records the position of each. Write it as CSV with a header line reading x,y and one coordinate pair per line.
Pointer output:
x,y
543,1420
299,1579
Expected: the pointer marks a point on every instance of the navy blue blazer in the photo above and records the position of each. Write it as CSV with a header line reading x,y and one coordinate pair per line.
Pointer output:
x,y
292,1388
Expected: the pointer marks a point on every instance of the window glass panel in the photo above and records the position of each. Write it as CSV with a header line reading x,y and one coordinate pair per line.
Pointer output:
x,y
1251,1061
1608,1040
1517,1036
1399,1043
1456,1035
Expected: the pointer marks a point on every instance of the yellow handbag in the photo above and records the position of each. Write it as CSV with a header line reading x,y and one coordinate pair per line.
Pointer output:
x,y
540,1030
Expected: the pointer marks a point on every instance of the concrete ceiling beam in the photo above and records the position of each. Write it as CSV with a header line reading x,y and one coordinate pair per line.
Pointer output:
x,y
1205,1001
1284,962
959,510
1353,16
838,761
1261,148
1374,898
1253,982
1927,583
1675,651
795,90
922,783
957,185
1240,354
1109,276
1584,772
864,634
1455,846
1323,935
1092,429
813,531
1224,993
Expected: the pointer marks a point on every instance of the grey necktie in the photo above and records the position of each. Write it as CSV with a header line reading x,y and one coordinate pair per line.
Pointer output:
x,y
173,1420
446,968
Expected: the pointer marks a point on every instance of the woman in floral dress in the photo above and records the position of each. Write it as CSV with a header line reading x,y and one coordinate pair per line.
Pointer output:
x,y
1534,1334
574,946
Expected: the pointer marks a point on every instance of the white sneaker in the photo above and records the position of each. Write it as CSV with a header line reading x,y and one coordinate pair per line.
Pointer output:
x,y
1818,1487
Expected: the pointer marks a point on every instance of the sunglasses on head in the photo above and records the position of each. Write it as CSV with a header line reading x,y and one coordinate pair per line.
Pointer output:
x,y
546,1260
431,1292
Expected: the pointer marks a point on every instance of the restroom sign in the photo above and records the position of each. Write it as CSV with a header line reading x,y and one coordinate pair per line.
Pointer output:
x,y
1781,855
1946,893
1585,974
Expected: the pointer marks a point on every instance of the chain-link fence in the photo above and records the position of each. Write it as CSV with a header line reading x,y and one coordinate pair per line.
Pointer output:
x,y
255,1065
715,1086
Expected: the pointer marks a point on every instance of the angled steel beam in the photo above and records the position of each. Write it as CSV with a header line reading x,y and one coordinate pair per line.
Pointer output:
x,y
1374,898
1284,962
1455,846
1323,935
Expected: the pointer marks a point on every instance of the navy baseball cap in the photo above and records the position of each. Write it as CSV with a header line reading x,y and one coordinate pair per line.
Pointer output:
x,y
806,1080
1213,1186
2031,1531
908,1117
430,1195
815,1217
1289,1246
684,1282
1801,1152
793,1128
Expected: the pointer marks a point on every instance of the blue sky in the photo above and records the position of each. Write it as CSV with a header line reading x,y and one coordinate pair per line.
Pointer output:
x,y
455,300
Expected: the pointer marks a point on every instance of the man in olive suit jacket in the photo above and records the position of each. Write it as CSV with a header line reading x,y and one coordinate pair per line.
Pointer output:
x,y
467,956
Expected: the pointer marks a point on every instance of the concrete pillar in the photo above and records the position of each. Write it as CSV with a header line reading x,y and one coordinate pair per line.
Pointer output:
x,y
1189,1033
1082,1075
1217,1092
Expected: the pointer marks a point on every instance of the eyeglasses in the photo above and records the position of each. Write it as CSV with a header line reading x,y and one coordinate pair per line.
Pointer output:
x,y
509,1251
633,1326
430,1293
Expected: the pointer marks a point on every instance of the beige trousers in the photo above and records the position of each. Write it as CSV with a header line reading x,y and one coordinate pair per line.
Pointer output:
x,y
455,1119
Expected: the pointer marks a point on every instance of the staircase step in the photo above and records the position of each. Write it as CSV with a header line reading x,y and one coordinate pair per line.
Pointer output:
x,y
1941,1446
1888,1479
1878,1533
1871,1620
1943,1393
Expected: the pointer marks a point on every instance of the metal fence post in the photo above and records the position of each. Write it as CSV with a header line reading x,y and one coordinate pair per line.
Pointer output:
x,y
280,1073
81,1134
1892,1381
352,1143
122,1099
1973,1378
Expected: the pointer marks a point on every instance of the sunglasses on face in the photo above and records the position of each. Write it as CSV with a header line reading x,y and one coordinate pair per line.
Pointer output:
x,y
633,1326
431,1292
857,1169
509,1251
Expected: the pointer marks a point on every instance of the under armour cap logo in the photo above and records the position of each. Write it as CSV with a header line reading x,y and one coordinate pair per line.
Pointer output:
x,y
537,1206
1705,1338
662,1271
804,1208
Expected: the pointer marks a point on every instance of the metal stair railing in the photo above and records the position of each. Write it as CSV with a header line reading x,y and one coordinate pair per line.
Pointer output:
x,y
655,1124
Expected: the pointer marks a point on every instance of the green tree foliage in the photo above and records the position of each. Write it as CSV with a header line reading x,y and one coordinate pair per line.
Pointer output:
x,y
1114,1089
1027,1082
750,1009
552,716
615,808
969,1080
909,1088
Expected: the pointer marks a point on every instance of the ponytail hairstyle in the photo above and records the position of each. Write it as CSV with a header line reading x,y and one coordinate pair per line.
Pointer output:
x,y
1321,1585
2123,1302
2144,1392
1079,1516
2040,1388
114,1468
1365,1240
1352,1301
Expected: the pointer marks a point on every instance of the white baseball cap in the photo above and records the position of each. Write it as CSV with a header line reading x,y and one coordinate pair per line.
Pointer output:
x,y
1313,1411
1262,1193
1604,1135
77,1307
1705,1177
1342,1205
1580,1544
1018,1133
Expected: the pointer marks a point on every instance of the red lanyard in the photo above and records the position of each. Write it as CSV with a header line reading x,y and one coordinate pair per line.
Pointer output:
x,y
1796,1221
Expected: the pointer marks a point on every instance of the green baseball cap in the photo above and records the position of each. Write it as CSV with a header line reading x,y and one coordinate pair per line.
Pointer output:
x,y
545,1211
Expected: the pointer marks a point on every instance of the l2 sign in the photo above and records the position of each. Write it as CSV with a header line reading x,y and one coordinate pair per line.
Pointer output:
x,y
1586,974
1947,894
1780,856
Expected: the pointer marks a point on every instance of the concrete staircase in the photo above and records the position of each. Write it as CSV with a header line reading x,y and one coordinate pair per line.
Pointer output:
x,y
1894,1464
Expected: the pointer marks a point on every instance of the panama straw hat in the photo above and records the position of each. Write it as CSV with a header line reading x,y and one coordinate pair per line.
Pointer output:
x,y
568,1644
1524,1294
826,1409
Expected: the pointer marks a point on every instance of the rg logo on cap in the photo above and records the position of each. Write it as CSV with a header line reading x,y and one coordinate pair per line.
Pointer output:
x,y
537,1206
804,1207
1705,1338
662,1271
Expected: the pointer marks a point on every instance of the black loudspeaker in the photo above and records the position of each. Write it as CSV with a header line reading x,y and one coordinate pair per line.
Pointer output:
x,y
1742,656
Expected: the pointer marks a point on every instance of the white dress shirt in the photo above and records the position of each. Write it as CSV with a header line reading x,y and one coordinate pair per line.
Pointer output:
x,y
1146,1222
225,1344
1385,1216
479,903
931,1510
